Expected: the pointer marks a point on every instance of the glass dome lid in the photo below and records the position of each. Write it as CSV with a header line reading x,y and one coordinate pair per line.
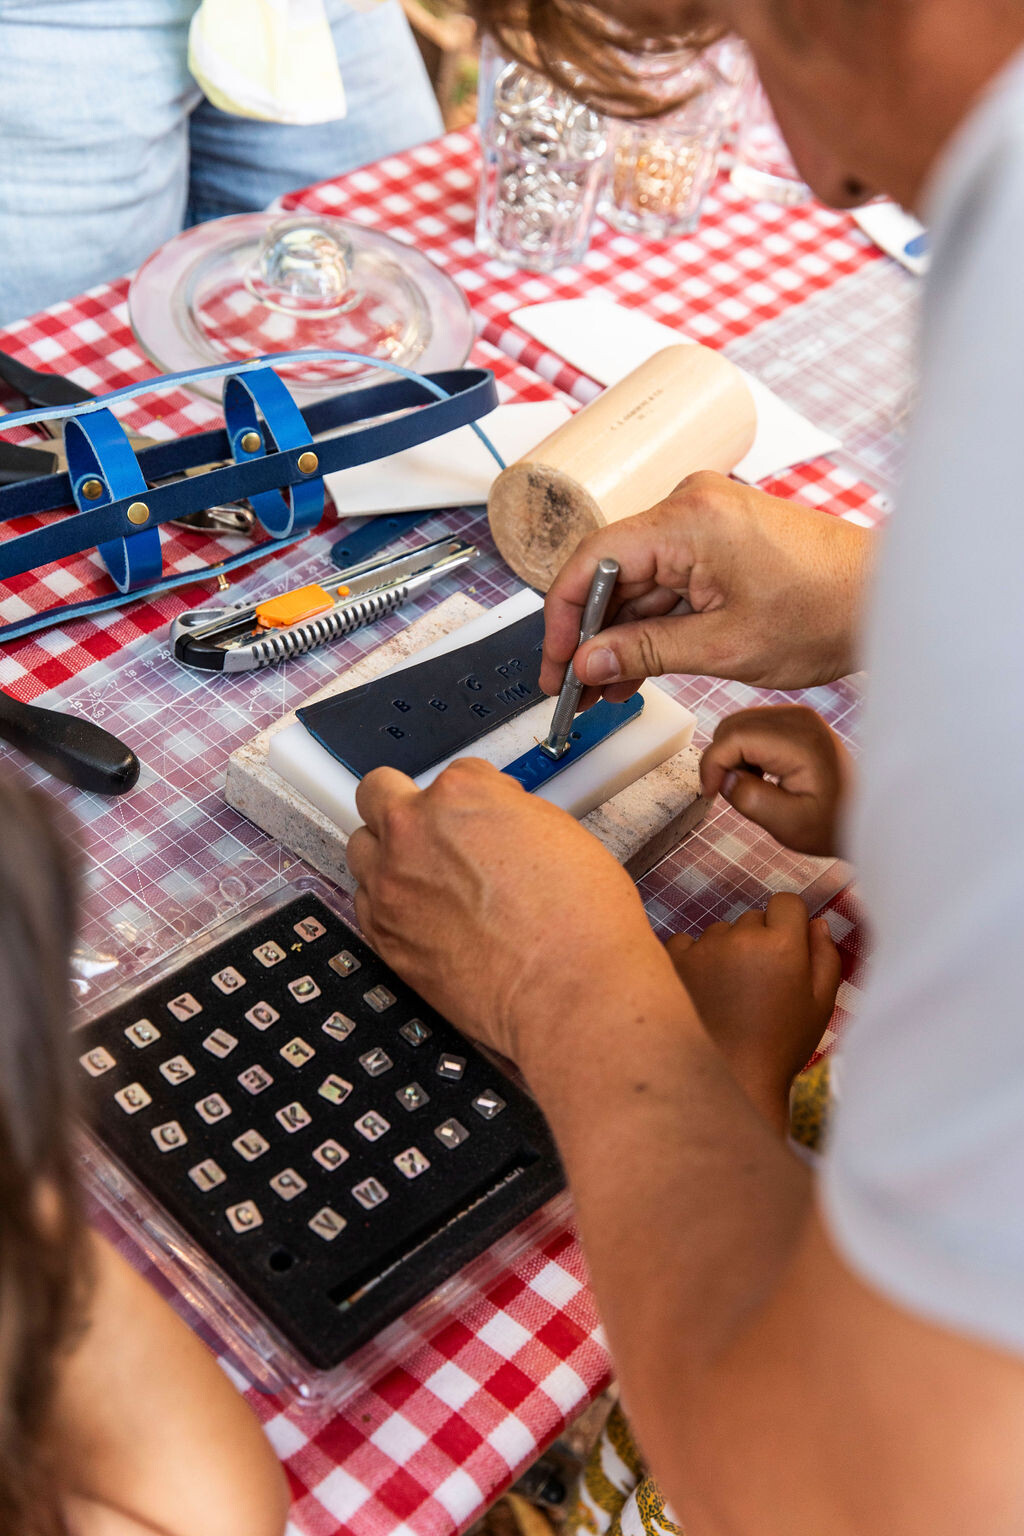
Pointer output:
x,y
251,283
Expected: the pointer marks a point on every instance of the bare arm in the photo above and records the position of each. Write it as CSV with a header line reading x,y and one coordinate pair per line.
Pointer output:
x,y
154,1440
773,1393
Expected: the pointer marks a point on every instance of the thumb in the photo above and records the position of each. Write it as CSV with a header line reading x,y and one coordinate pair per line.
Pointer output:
x,y
826,965
683,642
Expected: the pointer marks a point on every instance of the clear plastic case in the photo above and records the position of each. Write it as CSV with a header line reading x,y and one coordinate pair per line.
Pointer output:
x,y
263,1354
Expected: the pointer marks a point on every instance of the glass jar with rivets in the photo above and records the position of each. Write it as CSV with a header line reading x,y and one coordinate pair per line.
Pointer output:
x,y
660,168
543,161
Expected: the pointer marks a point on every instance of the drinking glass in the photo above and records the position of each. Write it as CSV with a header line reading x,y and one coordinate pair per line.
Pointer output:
x,y
543,157
661,168
764,168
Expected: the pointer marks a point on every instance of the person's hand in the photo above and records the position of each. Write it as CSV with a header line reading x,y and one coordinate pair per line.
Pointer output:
x,y
495,905
771,594
811,768
764,988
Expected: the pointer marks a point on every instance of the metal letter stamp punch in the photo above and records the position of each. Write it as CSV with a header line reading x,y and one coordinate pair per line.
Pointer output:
x,y
556,744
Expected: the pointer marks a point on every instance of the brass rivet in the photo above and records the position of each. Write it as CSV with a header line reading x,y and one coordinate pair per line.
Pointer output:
x,y
308,462
251,442
91,489
138,513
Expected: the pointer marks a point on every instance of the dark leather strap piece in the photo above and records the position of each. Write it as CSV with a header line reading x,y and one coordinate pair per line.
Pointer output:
x,y
415,718
105,520
48,493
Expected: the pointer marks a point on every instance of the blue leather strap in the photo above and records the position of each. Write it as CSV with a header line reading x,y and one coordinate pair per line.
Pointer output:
x,y
50,492
64,614
110,516
248,398
534,768
374,533
107,522
103,468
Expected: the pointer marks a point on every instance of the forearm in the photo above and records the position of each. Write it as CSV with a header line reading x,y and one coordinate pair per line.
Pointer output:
x,y
689,1204
822,568
84,1517
153,1436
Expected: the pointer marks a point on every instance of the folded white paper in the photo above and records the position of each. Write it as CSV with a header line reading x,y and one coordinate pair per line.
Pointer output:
x,y
896,232
606,341
451,471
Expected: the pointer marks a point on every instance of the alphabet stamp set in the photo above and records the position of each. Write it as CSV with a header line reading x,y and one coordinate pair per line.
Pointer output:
x,y
306,1131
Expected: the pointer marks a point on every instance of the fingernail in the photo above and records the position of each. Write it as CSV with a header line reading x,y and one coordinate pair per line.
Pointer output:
x,y
729,783
602,667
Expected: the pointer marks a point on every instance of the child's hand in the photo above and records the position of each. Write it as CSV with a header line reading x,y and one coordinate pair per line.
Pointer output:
x,y
812,768
764,987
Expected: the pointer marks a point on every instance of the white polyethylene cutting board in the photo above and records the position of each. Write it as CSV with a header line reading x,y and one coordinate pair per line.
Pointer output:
x,y
665,728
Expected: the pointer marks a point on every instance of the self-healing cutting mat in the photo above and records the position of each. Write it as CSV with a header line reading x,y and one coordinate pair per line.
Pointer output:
x,y
452,1408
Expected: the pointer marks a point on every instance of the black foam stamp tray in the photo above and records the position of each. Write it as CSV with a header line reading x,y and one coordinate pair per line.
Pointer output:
x,y
334,1146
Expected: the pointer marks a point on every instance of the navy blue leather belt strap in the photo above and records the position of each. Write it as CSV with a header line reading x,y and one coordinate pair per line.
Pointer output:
x,y
275,464
50,492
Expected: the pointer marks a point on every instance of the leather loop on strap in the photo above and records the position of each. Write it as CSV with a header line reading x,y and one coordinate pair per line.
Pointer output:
x,y
258,406
106,520
102,468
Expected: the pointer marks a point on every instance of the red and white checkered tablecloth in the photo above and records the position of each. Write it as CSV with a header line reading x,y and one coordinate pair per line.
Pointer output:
x,y
469,1402
743,266
469,1399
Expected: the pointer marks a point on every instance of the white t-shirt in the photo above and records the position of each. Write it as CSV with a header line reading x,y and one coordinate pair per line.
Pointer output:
x,y
923,1182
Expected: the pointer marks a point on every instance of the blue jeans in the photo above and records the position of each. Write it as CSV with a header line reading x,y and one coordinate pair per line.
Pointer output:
x,y
108,148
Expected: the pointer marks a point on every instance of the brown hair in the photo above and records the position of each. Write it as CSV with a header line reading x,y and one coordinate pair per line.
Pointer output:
x,y
612,64
42,1234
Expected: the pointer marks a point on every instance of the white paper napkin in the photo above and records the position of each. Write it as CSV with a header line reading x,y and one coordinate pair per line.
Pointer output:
x,y
606,341
451,471
896,232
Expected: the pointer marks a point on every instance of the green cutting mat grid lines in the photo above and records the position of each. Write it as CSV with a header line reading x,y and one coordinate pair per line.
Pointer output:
x,y
172,858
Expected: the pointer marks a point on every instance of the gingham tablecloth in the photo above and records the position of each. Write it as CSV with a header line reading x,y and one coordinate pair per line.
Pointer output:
x,y
469,1399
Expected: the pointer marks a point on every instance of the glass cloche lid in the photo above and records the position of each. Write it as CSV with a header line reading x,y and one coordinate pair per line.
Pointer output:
x,y
262,282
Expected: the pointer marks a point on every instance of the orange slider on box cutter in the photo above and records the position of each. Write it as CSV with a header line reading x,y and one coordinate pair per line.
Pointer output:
x,y
295,607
